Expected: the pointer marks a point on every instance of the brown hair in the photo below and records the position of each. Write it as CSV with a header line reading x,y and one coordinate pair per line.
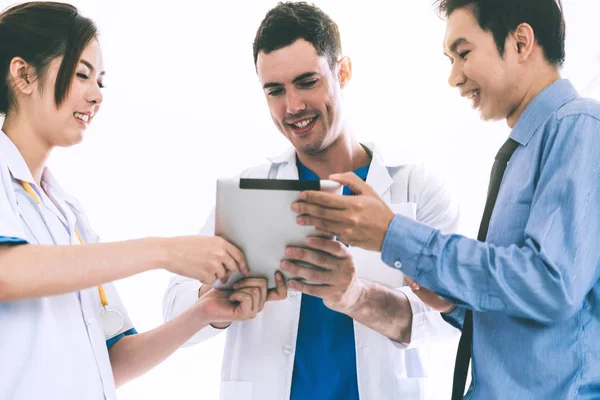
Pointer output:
x,y
39,32
290,21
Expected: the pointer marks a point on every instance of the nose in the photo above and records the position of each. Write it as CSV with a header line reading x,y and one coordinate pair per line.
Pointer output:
x,y
95,95
457,77
294,102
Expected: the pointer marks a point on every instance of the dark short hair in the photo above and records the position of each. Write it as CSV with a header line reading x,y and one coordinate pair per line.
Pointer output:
x,y
39,32
290,21
500,17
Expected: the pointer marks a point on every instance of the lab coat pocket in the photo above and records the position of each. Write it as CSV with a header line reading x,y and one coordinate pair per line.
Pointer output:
x,y
236,390
411,388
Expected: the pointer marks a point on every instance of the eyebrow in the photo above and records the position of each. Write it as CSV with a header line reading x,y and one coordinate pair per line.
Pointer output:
x,y
90,66
455,44
296,80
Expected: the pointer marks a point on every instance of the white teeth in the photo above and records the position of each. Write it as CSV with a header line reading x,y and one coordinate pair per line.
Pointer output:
x,y
473,94
303,123
83,117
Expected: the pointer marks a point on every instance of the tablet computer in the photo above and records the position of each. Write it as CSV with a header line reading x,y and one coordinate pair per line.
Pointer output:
x,y
255,215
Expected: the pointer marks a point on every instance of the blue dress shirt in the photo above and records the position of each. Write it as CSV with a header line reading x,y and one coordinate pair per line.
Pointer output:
x,y
534,284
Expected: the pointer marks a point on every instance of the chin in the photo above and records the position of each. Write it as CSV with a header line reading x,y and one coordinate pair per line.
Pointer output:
x,y
71,140
314,147
486,115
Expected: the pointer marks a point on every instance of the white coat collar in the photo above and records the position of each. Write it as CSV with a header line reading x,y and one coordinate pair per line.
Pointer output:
x,y
378,178
19,170
13,159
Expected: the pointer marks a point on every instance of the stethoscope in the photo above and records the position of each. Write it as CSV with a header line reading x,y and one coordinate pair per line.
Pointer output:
x,y
112,320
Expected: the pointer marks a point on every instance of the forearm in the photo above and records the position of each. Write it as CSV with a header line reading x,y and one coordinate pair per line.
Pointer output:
x,y
134,355
30,271
179,298
384,310
527,282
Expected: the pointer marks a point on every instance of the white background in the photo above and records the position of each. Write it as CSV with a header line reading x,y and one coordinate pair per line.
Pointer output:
x,y
183,107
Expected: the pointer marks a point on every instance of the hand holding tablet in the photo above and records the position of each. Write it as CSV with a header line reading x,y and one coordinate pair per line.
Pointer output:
x,y
255,216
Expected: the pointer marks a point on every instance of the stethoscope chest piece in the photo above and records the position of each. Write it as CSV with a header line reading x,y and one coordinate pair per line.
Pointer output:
x,y
112,321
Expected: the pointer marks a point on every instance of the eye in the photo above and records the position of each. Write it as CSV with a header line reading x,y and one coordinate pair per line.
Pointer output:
x,y
275,92
463,54
307,84
82,76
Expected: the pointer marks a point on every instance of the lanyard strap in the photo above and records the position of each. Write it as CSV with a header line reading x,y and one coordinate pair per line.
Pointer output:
x,y
27,187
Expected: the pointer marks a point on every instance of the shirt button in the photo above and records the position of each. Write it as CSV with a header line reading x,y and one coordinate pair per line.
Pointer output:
x,y
89,321
397,264
292,294
287,349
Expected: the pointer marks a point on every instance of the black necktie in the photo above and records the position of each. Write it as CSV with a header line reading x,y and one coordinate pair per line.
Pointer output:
x,y
463,355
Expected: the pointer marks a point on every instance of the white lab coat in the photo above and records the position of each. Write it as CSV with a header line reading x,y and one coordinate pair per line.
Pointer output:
x,y
51,347
259,354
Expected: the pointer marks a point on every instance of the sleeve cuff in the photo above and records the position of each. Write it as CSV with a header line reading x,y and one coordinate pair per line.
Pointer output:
x,y
456,317
418,330
110,342
403,244
180,298
12,240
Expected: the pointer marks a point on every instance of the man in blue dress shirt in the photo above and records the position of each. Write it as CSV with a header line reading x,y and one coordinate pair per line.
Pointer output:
x,y
533,285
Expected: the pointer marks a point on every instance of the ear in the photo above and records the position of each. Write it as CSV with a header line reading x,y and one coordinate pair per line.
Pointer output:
x,y
344,71
524,41
21,74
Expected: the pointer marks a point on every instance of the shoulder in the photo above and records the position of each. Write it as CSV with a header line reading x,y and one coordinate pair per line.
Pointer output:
x,y
575,125
580,107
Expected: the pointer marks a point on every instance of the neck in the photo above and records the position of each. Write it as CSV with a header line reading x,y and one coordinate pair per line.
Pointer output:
x,y
33,148
343,155
541,81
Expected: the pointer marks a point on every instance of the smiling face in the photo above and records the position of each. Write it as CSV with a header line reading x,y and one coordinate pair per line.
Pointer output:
x,y
490,81
64,125
303,94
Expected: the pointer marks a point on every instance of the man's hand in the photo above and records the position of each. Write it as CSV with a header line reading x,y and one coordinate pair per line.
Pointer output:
x,y
430,298
361,220
244,302
334,281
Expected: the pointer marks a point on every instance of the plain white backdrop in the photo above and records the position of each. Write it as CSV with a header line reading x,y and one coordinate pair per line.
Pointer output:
x,y
183,107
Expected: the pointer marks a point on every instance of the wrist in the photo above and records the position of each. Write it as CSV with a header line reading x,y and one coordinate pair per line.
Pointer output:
x,y
205,318
385,227
353,299
197,317
160,253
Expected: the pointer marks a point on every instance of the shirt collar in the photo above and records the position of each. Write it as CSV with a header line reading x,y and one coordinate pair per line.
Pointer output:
x,y
13,159
379,177
289,155
540,108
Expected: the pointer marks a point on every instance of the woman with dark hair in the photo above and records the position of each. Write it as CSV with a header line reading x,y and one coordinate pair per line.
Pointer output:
x,y
64,333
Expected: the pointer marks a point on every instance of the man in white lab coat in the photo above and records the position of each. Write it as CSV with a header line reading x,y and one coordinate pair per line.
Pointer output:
x,y
361,333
